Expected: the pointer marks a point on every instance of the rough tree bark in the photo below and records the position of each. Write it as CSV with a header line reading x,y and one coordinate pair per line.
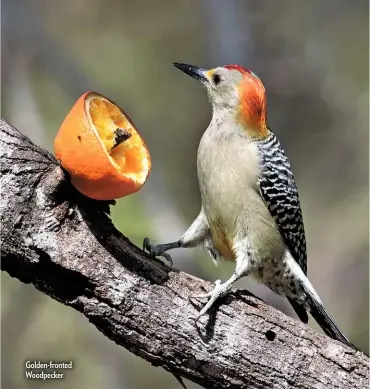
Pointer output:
x,y
66,246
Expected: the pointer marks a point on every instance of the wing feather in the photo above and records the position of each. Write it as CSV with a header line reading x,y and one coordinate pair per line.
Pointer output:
x,y
279,191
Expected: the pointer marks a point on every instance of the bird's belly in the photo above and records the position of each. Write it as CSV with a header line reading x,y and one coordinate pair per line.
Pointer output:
x,y
222,208
220,202
222,242
231,201
233,221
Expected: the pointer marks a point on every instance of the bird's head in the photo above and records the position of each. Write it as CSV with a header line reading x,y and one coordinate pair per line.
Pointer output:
x,y
234,90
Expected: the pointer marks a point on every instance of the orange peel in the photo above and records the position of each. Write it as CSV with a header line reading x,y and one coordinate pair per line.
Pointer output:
x,y
101,149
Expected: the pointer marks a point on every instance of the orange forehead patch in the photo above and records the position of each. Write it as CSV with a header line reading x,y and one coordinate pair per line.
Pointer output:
x,y
209,73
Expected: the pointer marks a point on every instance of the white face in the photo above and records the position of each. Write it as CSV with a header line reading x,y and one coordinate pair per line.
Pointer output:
x,y
222,87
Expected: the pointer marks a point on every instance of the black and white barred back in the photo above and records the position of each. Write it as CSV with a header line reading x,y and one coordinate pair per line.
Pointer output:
x,y
279,190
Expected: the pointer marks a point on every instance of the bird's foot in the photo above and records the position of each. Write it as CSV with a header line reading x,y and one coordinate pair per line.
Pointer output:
x,y
220,290
158,250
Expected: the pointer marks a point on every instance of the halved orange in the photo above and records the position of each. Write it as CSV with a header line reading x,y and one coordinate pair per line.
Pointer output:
x,y
101,149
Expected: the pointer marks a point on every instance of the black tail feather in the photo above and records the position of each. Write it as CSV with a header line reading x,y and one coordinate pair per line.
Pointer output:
x,y
299,310
324,320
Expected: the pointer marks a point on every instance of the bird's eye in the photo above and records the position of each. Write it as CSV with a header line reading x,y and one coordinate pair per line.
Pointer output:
x,y
216,78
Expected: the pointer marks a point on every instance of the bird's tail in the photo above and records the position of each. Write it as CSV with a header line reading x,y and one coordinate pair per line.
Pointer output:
x,y
323,319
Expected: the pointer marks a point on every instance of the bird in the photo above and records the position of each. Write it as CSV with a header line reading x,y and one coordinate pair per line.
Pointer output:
x,y
250,207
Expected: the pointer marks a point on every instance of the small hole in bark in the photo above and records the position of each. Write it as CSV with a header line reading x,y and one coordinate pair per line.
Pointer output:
x,y
79,138
270,335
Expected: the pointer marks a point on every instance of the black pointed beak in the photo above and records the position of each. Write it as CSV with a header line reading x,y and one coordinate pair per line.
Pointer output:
x,y
193,71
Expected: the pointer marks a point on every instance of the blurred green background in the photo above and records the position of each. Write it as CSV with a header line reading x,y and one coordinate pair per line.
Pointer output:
x,y
313,57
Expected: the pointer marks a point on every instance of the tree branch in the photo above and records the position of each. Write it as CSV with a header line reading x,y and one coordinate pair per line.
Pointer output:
x,y
66,246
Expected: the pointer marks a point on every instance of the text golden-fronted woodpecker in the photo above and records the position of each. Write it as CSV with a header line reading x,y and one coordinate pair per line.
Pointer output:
x,y
250,212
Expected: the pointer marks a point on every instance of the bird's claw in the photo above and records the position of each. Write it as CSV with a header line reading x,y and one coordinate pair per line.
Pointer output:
x,y
155,251
218,291
168,258
206,295
146,245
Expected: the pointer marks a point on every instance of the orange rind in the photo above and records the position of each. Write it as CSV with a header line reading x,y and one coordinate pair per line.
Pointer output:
x,y
101,149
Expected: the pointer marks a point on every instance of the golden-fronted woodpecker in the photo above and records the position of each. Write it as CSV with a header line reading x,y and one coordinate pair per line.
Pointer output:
x,y
250,212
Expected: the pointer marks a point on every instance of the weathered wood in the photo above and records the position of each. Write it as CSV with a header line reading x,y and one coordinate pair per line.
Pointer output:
x,y
66,246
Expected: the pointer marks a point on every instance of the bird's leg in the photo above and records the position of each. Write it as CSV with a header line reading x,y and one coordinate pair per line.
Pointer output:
x,y
243,255
194,235
159,250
